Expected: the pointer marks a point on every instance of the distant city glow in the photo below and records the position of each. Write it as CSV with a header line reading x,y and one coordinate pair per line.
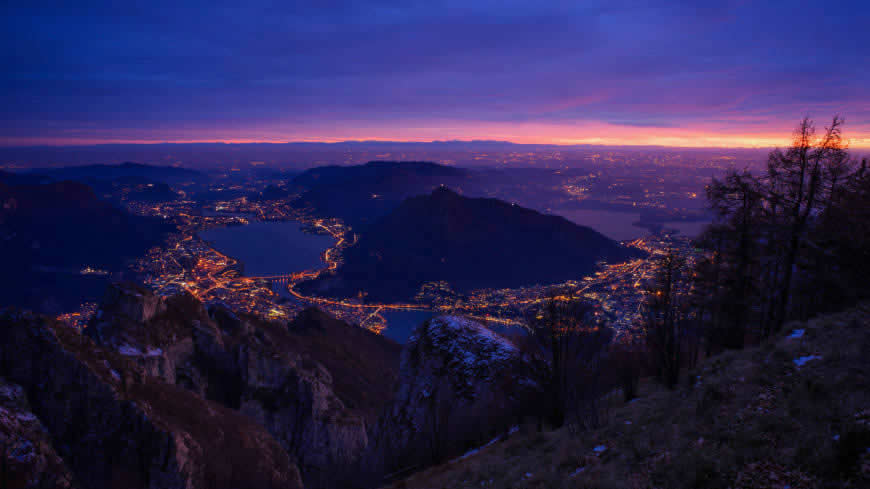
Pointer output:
x,y
528,133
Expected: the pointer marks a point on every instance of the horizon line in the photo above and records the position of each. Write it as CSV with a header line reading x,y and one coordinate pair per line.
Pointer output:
x,y
372,141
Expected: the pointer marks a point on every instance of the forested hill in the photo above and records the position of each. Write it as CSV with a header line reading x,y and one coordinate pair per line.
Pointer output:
x,y
360,194
471,243
51,231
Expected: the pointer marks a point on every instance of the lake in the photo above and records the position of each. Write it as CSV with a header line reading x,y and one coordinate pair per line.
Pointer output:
x,y
270,248
401,323
619,225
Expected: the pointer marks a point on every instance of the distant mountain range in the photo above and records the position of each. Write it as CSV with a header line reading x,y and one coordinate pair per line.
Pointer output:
x,y
112,172
469,242
361,194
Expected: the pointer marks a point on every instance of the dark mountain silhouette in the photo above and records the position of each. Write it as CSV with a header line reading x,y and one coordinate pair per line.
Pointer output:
x,y
111,172
48,232
361,194
469,242
271,192
133,188
13,178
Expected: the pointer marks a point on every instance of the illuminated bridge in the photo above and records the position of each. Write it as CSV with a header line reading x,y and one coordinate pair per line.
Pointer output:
x,y
286,278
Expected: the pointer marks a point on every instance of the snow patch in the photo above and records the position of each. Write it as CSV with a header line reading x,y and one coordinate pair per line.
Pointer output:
x,y
25,416
473,347
796,333
801,361
128,350
576,472
477,450
600,448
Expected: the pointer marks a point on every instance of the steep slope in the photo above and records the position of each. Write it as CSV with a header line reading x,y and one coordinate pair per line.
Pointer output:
x,y
360,194
115,427
468,242
364,365
284,377
460,384
790,414
28,459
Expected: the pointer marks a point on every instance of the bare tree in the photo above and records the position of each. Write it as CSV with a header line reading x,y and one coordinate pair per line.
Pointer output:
x,y
568,335
737,203
665,317
796,188
764,246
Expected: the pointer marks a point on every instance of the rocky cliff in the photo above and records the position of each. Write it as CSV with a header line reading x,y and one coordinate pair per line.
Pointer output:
x,y
460,384
164,392
273,374
115,426
791,413
28,458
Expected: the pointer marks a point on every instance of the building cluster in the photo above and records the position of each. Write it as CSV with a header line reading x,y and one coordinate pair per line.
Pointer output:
x,y
189,264
617,290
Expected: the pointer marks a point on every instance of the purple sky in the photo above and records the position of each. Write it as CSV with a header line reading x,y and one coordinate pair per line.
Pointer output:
x,y
679,73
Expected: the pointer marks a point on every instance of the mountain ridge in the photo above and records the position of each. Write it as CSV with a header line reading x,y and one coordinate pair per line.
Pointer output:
x,y
470,243
360,194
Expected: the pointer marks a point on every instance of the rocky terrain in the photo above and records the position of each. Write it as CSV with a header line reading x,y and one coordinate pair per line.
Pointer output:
x,y
115,426
789,414
28,459
267,371
460,385
163,392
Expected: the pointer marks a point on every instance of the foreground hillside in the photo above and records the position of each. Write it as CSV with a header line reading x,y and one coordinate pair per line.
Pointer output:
x,y
794,413
163,392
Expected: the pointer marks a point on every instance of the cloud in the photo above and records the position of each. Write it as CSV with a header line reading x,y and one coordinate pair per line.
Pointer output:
x,y
203,66
643,123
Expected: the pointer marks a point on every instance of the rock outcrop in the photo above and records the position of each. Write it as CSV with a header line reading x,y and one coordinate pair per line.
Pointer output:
x,y
460,384
28,458
271,374
115,426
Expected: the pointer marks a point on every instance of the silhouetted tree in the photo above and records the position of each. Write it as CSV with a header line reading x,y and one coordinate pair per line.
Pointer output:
x,y
665,317
737,203
839,245
774,237
798,187
569,336
627,362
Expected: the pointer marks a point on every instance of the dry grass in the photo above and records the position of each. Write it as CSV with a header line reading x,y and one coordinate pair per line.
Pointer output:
x,y
745,419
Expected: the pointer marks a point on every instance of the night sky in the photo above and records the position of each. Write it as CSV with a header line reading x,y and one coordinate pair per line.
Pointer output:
x,y
677,73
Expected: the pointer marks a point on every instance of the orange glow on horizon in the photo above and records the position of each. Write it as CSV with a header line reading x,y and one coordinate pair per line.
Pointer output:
x,y
522,133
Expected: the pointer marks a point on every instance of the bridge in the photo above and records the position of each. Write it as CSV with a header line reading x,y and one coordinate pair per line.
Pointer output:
x,y
292,278
285,278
